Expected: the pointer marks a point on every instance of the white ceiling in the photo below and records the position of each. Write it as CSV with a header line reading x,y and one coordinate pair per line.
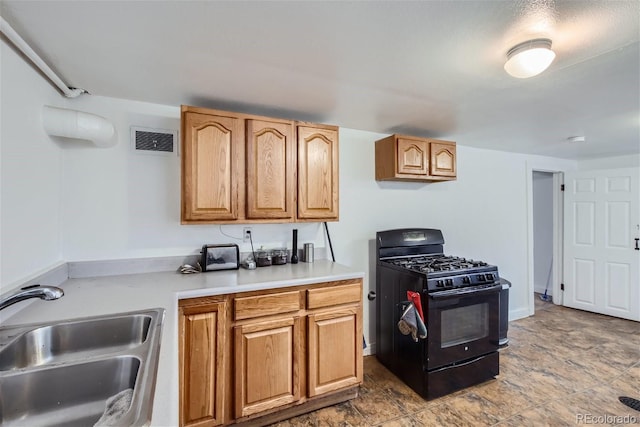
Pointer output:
x,y
425,68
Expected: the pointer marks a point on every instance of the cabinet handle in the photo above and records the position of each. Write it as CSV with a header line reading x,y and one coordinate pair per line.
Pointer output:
x,y
637,248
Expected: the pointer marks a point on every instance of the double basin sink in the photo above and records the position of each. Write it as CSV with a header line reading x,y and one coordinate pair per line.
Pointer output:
x,y
62,373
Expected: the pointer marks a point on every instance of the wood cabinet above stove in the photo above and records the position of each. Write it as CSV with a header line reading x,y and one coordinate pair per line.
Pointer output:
x,y
410,158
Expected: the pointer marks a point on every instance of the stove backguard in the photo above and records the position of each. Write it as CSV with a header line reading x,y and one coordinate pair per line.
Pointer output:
x,y
409,241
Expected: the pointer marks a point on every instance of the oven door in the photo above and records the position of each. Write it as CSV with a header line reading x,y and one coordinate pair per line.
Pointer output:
x,y
462,325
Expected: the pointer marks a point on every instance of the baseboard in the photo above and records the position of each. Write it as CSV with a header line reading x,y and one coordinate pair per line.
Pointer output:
x,y
541,290
370,350
520,313
310,405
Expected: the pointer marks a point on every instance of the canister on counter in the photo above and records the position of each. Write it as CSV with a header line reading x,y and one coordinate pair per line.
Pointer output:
x,y
279,256
307,253
263,258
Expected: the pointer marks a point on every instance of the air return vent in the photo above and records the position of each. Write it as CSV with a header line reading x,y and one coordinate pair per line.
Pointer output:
x,y
153,141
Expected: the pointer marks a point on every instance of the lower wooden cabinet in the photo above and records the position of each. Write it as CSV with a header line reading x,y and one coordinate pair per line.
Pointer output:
x,y
267,365
334,350
202,326
268,350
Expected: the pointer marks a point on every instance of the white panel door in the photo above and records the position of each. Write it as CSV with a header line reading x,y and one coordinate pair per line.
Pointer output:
x,y
602,221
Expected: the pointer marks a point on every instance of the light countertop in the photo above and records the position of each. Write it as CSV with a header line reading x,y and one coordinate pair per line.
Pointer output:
x,y
121,293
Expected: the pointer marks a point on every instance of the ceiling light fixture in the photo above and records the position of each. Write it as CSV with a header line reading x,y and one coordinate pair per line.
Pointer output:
x,y
529,58
576,139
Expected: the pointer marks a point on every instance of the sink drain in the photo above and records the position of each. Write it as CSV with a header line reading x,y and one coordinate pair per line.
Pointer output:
x,y
630,402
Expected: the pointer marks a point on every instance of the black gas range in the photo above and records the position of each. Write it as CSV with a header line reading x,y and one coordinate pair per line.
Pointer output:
x,y
460,300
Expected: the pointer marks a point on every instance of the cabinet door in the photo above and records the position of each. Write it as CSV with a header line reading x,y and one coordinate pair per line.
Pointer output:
x,y
334,349
443,159
270,170
317,173
413,157
202,362
212,154
267,365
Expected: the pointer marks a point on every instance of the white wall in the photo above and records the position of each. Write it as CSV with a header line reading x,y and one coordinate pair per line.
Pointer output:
x,y
30,175
542,230
628,161
483,214
121,204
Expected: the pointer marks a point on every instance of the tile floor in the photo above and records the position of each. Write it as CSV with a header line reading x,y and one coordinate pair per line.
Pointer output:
x,y
563,367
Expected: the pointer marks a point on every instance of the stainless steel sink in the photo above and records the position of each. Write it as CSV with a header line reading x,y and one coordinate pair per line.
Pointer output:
x,y
74,340
69,395
62,373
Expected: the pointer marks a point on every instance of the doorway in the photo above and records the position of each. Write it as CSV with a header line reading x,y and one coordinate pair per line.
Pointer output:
x,y
545,236
542,238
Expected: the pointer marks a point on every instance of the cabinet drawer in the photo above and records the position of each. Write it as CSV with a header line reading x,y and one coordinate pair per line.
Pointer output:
x,y
264,305
335,295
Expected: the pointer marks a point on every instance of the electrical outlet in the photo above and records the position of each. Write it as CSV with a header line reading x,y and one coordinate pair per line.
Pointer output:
x,y
246,234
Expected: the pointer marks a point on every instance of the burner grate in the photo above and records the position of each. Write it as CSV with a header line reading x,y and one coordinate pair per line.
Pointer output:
x,y
431,264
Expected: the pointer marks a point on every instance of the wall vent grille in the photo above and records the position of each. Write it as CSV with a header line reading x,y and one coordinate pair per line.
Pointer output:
x,y
157,141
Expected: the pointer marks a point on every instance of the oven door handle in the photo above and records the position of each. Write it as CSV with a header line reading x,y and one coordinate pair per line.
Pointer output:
x,y
458,293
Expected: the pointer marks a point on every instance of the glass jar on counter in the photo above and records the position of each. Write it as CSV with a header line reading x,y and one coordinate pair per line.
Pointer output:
x,y
263,258
279,256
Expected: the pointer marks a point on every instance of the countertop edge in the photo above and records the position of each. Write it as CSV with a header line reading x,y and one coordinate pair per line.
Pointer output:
x,y
260,286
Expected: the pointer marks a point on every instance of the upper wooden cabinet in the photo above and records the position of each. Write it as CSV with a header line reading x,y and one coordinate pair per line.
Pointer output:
x,y
407,158
212,166
412,157
317,172
443,158
270,169
240,168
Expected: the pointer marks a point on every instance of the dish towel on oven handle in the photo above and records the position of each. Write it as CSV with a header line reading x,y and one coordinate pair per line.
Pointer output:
x,y
411,323
414,297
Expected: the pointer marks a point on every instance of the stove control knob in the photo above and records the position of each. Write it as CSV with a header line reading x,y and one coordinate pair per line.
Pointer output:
x,y
481,277
440,284
489,276
466,280
449,282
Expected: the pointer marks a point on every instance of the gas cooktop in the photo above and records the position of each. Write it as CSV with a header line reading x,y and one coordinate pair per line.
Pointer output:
x,y
447,272
436,263
421,251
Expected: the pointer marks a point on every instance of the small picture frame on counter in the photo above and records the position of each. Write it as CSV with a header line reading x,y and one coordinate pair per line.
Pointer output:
x,y
220,257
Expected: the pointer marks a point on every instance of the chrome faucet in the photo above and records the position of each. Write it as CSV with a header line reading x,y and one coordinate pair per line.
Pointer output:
x,y
46,293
